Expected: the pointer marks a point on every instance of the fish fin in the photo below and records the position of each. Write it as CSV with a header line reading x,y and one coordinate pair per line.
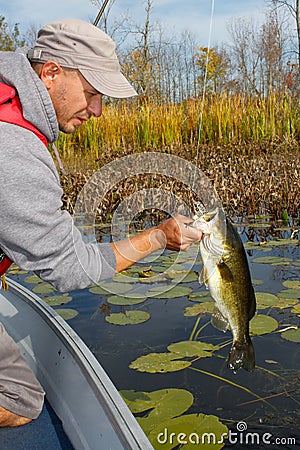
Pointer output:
x,y
225,272
203,276
219,321
241,355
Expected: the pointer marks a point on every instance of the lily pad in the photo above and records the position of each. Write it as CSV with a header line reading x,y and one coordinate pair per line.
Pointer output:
x,y
124,278
128,318
15,270
191,431
291,335
168,292
261,324
279,242
201,308
182,276
296,309
112,288
33,279
57,300
289,293
260,225
292,284
66,313
126,300
257,282
273,260
260,246
200,297
159,363
163,404
265,300
192,348
43,288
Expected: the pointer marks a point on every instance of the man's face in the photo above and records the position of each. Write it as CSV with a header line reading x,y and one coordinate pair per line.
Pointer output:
x,y
73,98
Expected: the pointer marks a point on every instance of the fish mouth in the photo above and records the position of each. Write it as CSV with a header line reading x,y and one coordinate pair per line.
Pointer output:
x,y
212,223
210,215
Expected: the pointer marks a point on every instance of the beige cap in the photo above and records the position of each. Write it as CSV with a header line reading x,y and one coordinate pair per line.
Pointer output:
x,y
77,44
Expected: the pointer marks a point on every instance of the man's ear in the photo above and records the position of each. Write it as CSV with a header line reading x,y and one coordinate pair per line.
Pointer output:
x,y
50,71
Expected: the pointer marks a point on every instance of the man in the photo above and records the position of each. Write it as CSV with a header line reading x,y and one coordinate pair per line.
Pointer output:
x,y
57,85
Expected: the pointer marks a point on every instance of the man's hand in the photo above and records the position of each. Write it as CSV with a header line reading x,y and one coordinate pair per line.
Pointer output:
x,y
175,233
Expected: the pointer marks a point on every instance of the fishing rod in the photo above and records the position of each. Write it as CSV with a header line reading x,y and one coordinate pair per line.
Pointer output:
x,y
96,21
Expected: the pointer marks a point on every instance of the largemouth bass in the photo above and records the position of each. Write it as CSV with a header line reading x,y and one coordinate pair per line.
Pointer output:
x,y
226,274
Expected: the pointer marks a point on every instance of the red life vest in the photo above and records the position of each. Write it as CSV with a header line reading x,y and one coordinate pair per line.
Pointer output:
x,y
11,112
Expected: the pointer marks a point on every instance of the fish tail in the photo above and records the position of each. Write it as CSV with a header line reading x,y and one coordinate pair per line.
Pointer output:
x,y
242,355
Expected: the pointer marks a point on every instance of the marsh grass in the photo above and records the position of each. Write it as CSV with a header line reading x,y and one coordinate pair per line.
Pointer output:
x,y
137,124
248,146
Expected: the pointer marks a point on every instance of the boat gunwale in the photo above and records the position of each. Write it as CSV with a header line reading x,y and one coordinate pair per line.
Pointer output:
x,y
124,422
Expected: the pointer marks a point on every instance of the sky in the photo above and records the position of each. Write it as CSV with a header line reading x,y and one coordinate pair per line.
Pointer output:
x,y
174,15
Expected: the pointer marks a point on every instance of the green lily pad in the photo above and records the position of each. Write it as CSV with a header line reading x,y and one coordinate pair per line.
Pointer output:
x,y
265,300
260,225
273,260
57,300
200,297
159,363
182,276
199,308
283,302
289,293
112,288
291,335
261,246
168,292
159,269
279,242
257,282
292,284
192,348
261,324
67,314
191,431
296,309
43,288
163,404
128,318
33,279
15,270
138,268
124,278
126,300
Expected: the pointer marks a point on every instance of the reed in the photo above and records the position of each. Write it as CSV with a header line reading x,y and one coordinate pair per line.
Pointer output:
x,y
139,124
247,146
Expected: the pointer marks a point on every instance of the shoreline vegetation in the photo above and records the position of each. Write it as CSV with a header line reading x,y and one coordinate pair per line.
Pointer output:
x,y
247,146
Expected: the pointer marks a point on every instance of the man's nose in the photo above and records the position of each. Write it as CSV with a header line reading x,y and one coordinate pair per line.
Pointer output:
x,y
95,105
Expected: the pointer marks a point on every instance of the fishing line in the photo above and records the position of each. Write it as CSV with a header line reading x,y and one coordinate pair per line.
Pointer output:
x,y
200,127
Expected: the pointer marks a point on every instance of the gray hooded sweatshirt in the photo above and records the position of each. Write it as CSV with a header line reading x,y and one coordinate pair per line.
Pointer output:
x,y
34,231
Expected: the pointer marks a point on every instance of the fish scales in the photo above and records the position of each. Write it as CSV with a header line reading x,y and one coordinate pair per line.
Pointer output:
x,y
226,274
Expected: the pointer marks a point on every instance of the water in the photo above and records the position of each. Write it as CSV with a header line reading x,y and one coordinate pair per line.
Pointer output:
x,y
277,374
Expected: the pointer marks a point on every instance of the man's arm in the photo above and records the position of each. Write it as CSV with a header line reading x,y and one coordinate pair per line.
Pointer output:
x,y
173,234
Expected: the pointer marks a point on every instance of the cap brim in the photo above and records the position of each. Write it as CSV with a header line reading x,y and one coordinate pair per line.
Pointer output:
x,y
111,84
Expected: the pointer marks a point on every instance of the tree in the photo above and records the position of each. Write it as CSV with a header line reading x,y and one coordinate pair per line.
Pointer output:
x,y
10,37
271,43
244,54
293,9
213,69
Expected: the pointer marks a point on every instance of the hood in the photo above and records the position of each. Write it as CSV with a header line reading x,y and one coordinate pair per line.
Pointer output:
x,y
16,71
